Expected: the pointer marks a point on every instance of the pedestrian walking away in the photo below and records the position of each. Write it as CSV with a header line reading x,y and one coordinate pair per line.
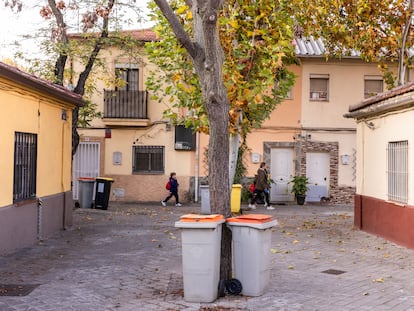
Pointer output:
x,y
261,187
172,187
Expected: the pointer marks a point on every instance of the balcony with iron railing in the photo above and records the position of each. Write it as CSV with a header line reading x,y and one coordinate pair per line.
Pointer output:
x,y
125,108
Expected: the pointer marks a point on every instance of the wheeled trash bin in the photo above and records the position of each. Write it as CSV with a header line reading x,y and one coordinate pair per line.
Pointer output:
x,y
102,192
235,198
85,190
251,251
201,245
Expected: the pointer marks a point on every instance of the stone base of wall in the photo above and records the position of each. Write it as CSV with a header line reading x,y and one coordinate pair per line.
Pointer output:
x,y
342,195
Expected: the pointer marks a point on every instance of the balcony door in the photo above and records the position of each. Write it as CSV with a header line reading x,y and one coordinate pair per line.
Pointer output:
x,y
130,76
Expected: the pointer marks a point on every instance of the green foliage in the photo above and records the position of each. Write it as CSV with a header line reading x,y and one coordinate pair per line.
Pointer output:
x,y
256,40
87,113
375,29
299,185
240,167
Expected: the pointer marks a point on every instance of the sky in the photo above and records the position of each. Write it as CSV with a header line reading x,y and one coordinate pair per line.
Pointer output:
x,y
15,25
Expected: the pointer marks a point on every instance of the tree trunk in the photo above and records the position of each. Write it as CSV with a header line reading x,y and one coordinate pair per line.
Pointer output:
x,y
207,56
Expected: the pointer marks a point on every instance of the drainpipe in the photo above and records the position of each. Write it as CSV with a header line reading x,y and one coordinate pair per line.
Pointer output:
x,y
39,218
196,169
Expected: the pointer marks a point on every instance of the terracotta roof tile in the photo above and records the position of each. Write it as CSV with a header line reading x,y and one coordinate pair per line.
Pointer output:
x,y
27,79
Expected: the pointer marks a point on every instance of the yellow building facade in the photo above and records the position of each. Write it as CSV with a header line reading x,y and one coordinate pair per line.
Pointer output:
x,y
36,144
305,135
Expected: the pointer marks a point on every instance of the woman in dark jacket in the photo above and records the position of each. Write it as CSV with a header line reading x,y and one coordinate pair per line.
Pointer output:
x,y
262,186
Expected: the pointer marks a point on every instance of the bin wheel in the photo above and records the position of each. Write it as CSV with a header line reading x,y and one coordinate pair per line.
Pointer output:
x,y
234,287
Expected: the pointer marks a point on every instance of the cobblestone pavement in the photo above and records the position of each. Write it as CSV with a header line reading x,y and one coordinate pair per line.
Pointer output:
x,y
129,258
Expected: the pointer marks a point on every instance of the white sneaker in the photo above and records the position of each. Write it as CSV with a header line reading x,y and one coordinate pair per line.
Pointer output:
x,y
163,203
178,204
270,208
252,206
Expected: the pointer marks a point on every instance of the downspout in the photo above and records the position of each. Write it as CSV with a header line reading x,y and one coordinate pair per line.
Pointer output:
x,y
61,178
39,202
196,168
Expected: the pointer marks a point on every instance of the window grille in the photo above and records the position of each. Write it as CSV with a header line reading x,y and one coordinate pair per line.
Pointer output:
x,y
148,159
398,171
25,166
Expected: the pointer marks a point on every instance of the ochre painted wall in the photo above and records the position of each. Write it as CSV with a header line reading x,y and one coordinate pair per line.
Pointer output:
x,y
25,110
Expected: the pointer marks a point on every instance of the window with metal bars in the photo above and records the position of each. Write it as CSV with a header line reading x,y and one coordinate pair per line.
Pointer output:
x,y
25,166
398,171
148,159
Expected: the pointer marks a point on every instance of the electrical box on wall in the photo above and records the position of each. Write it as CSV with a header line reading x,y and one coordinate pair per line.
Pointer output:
x,y
255,157
117,158
345,158
184,138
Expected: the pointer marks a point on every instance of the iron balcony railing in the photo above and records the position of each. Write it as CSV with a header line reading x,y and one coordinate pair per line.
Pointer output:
x,y
126,104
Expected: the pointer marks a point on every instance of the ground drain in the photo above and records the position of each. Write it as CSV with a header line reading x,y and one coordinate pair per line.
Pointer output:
x,y
16,289
333,271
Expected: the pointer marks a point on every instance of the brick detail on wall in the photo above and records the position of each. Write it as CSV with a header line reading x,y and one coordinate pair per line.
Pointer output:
x,y
338,195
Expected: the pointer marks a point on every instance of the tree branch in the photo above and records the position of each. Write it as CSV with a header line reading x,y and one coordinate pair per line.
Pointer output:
x,y
63,38
80,86
177,28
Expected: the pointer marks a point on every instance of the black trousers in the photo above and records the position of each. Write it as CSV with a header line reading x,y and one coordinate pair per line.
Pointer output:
x,y
258,193
172,193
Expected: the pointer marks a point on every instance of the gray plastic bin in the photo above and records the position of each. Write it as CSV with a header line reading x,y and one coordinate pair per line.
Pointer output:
x,y
251,251
201,249
86,186
205,199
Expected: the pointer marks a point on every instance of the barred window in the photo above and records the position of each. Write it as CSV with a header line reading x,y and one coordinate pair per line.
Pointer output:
x,y
398,171
148,159
25,166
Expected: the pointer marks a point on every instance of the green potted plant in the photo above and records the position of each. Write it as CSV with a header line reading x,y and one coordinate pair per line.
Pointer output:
x,y
299,188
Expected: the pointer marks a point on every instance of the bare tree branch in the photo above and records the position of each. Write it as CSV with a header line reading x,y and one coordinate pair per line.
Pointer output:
x,y
63,38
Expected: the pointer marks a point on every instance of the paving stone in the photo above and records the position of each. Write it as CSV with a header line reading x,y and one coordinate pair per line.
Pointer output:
x,y
128,258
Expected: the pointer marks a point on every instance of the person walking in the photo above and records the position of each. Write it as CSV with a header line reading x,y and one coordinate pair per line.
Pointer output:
x,y
173,188
262,186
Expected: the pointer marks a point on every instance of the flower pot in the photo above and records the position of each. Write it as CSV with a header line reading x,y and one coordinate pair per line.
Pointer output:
x,y
300,199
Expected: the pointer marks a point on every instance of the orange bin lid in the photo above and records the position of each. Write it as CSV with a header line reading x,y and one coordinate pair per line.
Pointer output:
x,y
201,218
251,218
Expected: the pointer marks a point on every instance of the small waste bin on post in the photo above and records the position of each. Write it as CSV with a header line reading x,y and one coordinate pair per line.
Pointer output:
x,y
85,191
201,249
251,251
235,198
205,199
102,192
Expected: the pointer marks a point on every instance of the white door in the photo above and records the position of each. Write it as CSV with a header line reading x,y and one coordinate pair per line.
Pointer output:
x,y
85,164
281,173
317,170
